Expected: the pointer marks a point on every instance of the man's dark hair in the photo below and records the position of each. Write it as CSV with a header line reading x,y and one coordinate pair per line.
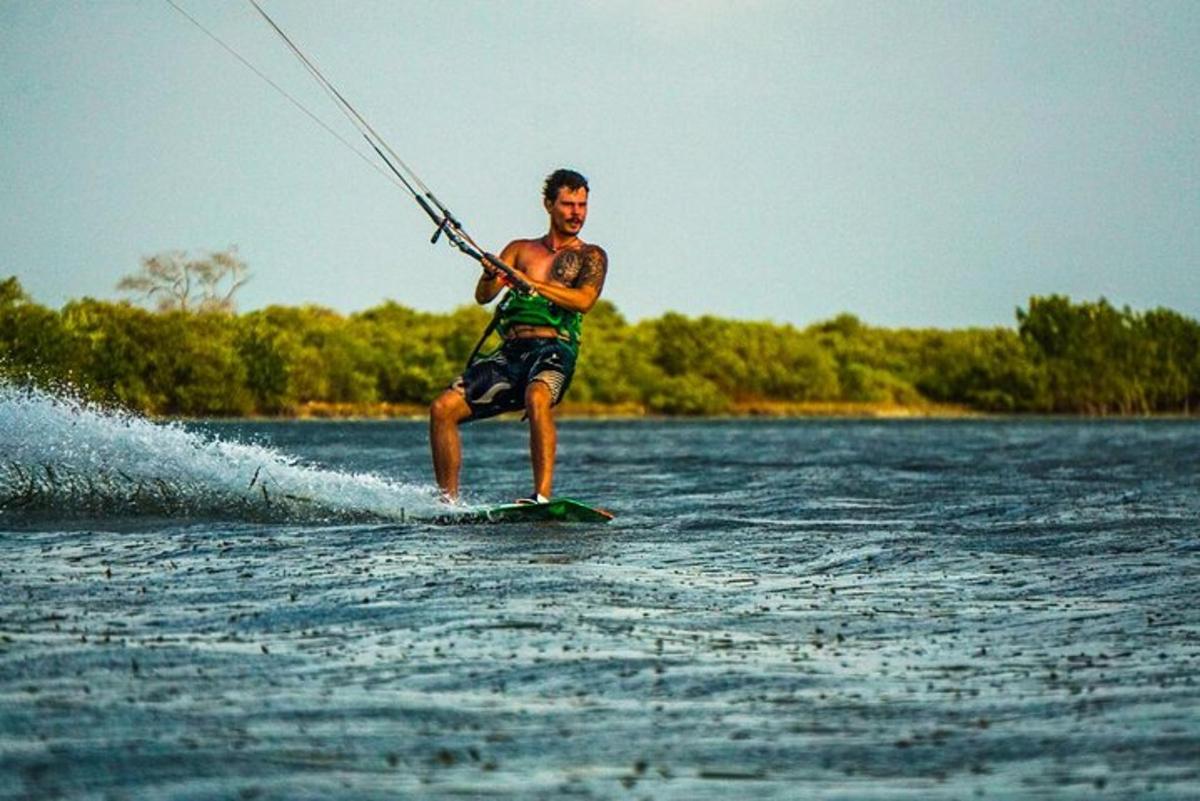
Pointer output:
x,y
560,178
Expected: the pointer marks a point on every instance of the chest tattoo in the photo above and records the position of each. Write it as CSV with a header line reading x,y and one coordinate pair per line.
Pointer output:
x,y
566,267
578,268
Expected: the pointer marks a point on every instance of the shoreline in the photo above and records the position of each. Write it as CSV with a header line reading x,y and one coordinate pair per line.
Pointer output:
x,y
635,411
767,410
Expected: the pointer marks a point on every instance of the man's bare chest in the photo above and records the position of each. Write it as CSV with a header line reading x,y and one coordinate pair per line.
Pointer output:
x,y
563,267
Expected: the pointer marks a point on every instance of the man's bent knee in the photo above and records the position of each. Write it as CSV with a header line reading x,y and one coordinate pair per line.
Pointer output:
x,y
450,406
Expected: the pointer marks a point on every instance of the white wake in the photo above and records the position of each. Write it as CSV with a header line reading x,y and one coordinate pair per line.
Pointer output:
x,y
64,457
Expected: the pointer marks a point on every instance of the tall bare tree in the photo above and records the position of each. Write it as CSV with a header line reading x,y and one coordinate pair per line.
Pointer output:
x,y
178,283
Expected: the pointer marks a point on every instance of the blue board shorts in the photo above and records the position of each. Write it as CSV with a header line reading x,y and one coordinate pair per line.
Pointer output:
x,y
496,383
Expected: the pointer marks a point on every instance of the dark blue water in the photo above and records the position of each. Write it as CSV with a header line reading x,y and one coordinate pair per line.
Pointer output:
x,y
782,610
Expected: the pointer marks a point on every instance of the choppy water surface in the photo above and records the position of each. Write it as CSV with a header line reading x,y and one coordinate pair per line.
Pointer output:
x,y
813,609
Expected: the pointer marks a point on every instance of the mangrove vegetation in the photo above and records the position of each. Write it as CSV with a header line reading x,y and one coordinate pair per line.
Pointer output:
x,y
204,359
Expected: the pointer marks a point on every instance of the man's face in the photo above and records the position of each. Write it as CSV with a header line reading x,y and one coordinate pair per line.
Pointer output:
x,y
568,211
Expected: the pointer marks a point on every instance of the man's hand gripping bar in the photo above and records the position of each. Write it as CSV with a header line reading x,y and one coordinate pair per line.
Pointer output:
x,y
453,230
508,276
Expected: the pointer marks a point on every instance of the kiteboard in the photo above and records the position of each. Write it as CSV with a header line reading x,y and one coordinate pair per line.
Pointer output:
x,y
560,510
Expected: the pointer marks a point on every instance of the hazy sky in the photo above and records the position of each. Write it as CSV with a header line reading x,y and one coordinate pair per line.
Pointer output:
x,y
915,163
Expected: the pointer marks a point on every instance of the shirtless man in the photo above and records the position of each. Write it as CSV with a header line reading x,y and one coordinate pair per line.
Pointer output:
x,y
541,333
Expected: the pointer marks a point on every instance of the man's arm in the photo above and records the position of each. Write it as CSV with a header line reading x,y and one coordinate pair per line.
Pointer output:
x,y
587,285
491,282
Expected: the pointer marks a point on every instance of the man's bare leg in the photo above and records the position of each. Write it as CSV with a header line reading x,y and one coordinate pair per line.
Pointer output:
x,y
445,414
543,437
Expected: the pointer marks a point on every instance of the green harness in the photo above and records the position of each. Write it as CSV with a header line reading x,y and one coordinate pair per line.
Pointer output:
x,y
535,310
517,309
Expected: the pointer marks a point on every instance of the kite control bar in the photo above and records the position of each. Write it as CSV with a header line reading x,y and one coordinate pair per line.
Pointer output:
x,y
453,229
455,235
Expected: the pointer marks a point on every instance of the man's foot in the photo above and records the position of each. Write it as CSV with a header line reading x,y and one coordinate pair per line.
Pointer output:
x,y
536,497
447,498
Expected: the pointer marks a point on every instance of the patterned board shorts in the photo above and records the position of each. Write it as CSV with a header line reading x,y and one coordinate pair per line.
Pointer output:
x,y
497,383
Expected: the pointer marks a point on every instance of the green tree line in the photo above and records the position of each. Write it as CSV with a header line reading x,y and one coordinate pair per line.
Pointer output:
x,y
1062,357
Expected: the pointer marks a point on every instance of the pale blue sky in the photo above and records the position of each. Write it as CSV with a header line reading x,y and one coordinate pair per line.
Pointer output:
x,y
915,163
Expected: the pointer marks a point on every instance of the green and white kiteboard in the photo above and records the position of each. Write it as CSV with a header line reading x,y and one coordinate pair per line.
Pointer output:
x,y
561,510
